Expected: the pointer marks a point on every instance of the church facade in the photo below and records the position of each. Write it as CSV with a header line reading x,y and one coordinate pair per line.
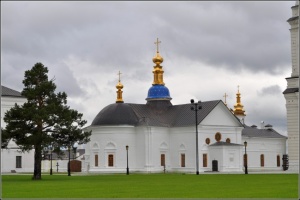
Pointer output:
x,y
158,136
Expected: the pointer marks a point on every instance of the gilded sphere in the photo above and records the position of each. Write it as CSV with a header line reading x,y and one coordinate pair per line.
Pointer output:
x,y
119,86
157,59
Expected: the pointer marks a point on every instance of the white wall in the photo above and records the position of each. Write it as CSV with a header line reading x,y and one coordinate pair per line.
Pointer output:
x,y
270,147
111,140
8,156
229,157
8,160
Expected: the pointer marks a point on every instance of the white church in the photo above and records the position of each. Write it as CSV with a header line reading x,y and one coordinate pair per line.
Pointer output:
x,y
158,136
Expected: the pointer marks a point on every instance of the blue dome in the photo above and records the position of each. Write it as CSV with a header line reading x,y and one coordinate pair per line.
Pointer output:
x,y
158,92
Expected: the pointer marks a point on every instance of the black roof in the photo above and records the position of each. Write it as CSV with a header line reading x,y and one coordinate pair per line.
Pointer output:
x,y
5,91
293,18
290,90
155,113
268,132
116,114
225,144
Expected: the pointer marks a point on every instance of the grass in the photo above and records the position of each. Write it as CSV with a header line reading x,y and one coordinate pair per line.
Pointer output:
x,y
152,186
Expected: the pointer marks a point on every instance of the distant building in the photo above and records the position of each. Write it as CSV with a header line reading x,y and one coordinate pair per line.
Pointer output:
x,y
291,93
12,159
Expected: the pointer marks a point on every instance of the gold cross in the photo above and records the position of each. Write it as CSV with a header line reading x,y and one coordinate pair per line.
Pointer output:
x,y
238,88
157,43
225,97
119,76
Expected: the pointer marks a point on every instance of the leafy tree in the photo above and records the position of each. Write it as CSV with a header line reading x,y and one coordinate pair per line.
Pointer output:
x,y
4,139
44,119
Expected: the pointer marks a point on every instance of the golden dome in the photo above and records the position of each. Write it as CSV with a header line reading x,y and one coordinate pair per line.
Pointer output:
x,y
238,107
119,86
157,59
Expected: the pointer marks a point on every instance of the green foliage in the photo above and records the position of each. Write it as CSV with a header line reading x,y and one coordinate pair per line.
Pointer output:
x,y
44,119
153,186
4,138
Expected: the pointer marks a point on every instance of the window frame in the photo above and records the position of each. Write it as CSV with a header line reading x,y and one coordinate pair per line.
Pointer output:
x,y
182,160
96,159
18,161
204,160
163,159
110,160
262,160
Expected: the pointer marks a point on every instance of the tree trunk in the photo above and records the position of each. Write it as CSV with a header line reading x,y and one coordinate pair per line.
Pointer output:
x,y
37,174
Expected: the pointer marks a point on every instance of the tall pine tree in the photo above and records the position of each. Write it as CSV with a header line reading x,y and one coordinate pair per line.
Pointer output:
x,y
44,119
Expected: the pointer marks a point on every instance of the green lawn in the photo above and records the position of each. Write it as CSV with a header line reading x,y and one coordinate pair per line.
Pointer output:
x,y
152,186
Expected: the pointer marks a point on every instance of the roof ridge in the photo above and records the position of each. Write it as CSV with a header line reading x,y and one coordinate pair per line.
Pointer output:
x,y
6,91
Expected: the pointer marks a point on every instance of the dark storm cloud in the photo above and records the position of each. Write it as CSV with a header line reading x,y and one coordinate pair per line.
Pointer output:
x,y
230,34
227,34
271,90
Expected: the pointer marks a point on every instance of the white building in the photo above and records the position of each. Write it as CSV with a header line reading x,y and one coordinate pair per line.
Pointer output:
x,y
12,158
162,136
291,94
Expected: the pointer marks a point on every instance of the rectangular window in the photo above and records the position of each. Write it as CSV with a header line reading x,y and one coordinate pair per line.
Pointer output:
x,y
18,161
96,160
162,160
205,160
278,160
110,160
262,160
182,160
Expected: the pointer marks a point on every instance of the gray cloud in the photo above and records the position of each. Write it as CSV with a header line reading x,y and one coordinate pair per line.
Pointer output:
x,y
229,34
84,45
271,90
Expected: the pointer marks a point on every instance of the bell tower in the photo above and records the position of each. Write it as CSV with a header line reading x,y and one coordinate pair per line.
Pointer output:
x,y
291,93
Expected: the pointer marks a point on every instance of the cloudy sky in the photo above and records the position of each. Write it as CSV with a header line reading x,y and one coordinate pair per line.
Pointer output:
x,y
209,48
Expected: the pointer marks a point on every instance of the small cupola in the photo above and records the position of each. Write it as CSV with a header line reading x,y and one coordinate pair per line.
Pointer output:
x,y
238,107
119,87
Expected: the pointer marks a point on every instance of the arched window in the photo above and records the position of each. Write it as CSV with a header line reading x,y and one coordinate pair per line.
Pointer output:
x,y
278,160
262,160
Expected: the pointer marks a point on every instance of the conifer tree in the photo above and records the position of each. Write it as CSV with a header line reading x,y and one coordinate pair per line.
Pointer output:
x,y
44,119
